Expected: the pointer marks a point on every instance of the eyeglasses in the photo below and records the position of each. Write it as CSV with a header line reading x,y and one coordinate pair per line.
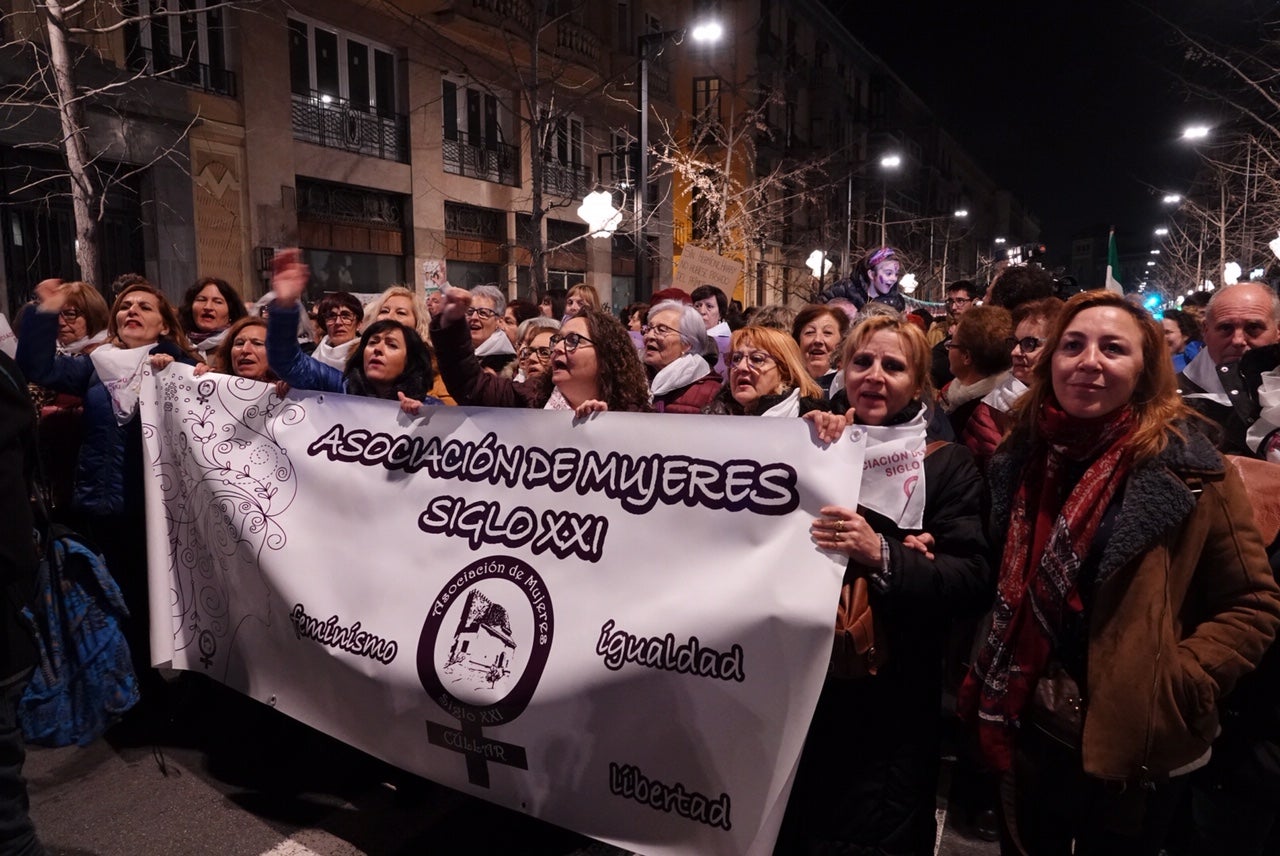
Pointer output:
x,y
758,360
661,330
541,353
571,341
1029,344
951,345
70,314
346,316
959,301
485,314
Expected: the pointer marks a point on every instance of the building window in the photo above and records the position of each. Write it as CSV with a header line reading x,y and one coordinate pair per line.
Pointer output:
x,y
474,128
563,162
706,104
468,221
188,47
344,92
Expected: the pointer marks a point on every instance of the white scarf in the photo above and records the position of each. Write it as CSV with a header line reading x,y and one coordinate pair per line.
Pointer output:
x,y
789,406
334,355
956,393
79,345
496,345
1203,373
1269,419
557,401
8,341
893,472
120,370
1003,396
679,373
720,331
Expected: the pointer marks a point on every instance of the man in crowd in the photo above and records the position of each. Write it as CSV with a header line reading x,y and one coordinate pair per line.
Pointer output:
x,y
960,296
1239,319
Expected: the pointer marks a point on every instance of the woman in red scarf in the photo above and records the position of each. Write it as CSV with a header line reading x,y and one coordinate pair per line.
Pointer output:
x,y
1133,582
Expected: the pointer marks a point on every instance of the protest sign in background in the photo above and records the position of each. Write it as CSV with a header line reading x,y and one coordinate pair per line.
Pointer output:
x,y
619,625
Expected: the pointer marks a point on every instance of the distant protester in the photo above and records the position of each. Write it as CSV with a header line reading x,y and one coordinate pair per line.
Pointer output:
x,y
675,342
488,341
581,296
209,308
819,331
340,315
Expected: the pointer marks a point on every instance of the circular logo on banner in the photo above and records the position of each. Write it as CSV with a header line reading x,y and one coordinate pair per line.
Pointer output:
x,y
485,641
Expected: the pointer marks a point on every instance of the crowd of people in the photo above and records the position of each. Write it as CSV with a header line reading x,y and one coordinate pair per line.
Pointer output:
x,y
1080,567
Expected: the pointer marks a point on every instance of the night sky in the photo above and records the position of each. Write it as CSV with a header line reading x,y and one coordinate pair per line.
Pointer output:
x,y
1075,106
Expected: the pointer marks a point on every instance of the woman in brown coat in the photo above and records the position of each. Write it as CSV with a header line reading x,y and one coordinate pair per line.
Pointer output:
x,y
1133,583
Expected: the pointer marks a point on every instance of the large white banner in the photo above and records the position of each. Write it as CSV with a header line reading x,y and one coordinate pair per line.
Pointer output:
x,y
619,625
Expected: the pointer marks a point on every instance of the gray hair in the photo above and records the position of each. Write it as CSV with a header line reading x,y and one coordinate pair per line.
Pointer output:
x,y
529,326
493,293
1275,299
692,329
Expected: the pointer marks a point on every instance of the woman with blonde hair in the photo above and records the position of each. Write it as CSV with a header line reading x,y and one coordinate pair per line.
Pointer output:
x,y
1134,591
766,377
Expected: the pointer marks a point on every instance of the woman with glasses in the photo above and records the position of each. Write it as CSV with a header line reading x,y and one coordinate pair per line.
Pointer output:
x,y
339,313
766,377
675,346
389,361
533,355
593,365
484,320
868,775
1134,592
986,427
978,354
209,308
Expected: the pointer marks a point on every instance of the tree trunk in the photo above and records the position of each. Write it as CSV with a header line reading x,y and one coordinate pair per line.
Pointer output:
x,y
85,196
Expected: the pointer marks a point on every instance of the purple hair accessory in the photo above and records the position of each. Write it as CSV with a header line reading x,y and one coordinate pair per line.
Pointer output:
x,y
878,256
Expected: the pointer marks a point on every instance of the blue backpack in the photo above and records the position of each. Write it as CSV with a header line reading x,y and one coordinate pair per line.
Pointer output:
x,y
85,680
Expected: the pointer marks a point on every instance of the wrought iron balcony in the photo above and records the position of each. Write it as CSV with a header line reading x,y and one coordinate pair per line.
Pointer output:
x,y
335,124
198,75
572,181
488,161
579,40
520,11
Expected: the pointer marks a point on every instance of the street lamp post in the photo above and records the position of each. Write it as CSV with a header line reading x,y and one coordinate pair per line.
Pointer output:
x,y
706,33
887,163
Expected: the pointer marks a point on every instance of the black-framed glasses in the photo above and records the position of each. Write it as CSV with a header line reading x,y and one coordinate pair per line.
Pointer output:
x,y
758,360
1029,344
959,301
70,314
477,312
571,341
661,330
541,353
344,315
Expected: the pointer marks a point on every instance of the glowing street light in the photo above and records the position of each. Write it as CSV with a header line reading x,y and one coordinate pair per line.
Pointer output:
x,y
1195,132
961,213
1161,232
1231,273
598,213
1171,199
1155,252
891,161
707,32
908,284
818,263
1001,240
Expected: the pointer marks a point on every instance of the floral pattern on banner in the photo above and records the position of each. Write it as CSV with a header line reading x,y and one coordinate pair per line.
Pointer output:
x,y
222,498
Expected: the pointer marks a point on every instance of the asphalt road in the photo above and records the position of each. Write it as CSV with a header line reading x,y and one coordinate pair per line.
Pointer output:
x,y
227,776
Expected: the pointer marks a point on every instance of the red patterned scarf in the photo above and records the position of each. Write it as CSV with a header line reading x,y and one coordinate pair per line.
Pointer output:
x,y
1049,536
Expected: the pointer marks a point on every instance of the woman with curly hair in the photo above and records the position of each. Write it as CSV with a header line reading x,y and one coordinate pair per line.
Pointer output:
x,y
594,365
209,308
391,361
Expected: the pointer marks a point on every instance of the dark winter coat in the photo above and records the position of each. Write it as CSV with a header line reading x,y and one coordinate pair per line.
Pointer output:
x,y
1184,605
868,775
109,468
466,378
689,399
18,565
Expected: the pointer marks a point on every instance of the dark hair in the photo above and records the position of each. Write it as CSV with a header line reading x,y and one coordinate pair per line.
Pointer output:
x,y
235,303
983,332
1187,325
626,315
167,312
813,312
624,386
123,281
416,379
222,357
340,299
702,292
966,285
523,309
1018,284
557,296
